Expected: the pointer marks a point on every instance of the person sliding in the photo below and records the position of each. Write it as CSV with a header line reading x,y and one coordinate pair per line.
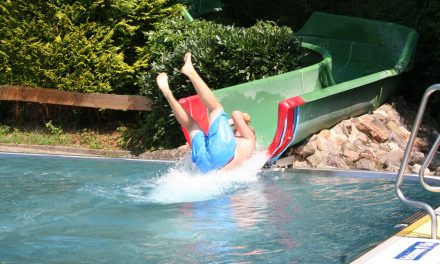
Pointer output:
x,y
223,148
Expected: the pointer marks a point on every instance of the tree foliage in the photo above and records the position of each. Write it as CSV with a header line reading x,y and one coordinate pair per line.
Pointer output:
x,y
84,45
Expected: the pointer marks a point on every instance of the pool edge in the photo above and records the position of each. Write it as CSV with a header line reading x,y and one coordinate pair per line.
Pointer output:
x,y
401,242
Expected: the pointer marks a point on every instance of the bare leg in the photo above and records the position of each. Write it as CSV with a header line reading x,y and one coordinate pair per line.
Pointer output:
x,y
181,115
205,94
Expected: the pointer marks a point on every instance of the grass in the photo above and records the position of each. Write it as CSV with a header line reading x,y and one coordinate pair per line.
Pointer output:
x,y
53,135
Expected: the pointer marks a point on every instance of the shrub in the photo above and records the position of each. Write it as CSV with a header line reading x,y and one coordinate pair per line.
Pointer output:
x,y
85,45
223,55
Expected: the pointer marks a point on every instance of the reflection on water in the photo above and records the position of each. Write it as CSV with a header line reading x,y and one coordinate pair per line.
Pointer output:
x,y
224,226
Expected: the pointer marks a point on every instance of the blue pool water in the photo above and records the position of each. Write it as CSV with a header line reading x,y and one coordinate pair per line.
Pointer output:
x,y
74,210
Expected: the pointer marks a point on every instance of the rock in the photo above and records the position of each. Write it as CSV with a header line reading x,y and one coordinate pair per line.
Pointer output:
x,y
362,137
301,164
312,138
365,164
437,171
373,128
354,134
392,159
315,159
333,148
435,162
368,154
324,133
380,115
309,149
321,143
353,147
285,162
399,140
337,162
416,169
395,156
398,130
416,157
386,108
393,146
390,166
336,129
338,138
374,145
298,150
350,155
394,116
326,145
381,155
349,129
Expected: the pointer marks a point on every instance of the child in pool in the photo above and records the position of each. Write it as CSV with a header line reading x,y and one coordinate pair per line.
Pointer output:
x,y
223,148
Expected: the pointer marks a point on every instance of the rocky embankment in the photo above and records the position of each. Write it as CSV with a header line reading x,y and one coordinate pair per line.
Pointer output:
x,y
375,141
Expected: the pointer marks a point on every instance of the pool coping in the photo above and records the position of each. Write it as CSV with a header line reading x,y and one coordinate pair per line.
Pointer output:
x,y
50,149
166,154
70,155
402,243
356,173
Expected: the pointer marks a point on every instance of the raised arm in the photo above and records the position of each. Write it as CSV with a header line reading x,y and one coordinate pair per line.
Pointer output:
x,y
241,124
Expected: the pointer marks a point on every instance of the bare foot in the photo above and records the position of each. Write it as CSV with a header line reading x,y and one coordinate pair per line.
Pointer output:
x,y
162,82
187,67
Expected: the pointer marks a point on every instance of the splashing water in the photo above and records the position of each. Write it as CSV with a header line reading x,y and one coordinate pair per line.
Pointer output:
x,y
184,183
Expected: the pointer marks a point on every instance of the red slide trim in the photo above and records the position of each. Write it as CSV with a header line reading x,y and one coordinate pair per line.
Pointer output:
x,y
198,111
285,125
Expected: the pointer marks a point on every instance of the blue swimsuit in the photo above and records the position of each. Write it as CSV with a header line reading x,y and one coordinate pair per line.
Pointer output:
x,y
215,150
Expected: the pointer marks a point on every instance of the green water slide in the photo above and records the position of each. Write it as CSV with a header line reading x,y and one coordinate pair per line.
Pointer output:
x,y
354,67
199,8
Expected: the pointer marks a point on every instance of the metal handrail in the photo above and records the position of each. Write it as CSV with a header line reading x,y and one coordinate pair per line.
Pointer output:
x,y
409,146
426,164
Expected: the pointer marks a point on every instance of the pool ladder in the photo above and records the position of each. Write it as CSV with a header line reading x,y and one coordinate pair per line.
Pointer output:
x,y
429,157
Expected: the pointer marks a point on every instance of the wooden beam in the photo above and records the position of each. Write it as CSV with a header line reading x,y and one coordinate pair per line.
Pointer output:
x,y
93,100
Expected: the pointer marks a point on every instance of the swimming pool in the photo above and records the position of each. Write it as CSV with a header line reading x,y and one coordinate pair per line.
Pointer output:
x,y
59,209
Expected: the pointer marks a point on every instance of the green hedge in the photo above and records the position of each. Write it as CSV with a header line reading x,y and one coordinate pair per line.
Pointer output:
x,y
223,55
84,45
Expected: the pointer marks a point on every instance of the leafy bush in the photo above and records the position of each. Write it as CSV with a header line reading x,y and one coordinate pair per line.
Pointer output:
x,y
54,130
85,45
223,55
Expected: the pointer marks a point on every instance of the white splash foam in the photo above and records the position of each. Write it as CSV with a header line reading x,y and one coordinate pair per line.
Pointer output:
x,y
184,183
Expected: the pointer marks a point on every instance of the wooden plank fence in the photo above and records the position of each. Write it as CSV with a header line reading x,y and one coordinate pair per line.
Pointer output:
x,y
93,100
